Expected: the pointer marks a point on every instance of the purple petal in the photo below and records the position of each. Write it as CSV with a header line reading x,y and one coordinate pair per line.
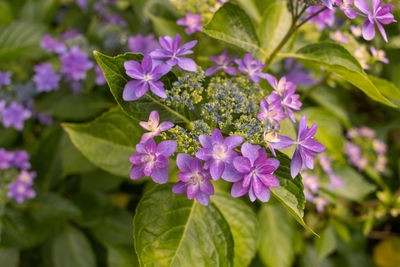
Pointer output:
x,y
146,137
233,141
154,116
269,180
188,46
176,43
196,165
242,164
207,187
313,145
160,71
137,172
368,30
363,6
250,152
252,196
166,42
147,64
158,89
136,159
264,194
192,190
165,125
150,146
205,141
296,163
302,127
231,174
382,31
307,157
257,185
185,176
134,90
179,188
160,175
204,154
230,70
216,137
187,64
238,190
140,148
282,142
159,54
210,71
183,162
202,198
133,69
216,169
167,148
161,162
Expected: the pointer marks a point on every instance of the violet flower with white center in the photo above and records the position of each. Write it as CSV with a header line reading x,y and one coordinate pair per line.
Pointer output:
x,y
45,78
173,52
379,55
307,148
378,15
289,101
323,19
52,45
5,159
346,7
192,23
271,112
257,170
152,160
339,37
142,44
252,67
194,180
222,63
218,154
100,79
75,64
153,126
5,78
146,75
15,115
21,188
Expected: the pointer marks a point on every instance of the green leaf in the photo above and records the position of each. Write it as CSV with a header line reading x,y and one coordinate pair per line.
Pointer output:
x,y
114,71
6,14
291,191
326,244
277,236
121,256
108,141
388,89
40,11
232,25
170,230
72,248
310,258
243,224
9,257
20,40
275,23
336,59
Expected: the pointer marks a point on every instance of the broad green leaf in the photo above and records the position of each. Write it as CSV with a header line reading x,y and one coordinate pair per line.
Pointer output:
x,y
170,230
108,141
21,40
50,207
243,224
59,104
9,257
251,8
326,244
336,59
7,136
72,248
232,25
100,180
310,258
291,191
121,256
39,11
114,71
388,89
277,236
275,23
6,14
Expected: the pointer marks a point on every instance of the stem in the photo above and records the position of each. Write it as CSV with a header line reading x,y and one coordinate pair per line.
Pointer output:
x,y
312,89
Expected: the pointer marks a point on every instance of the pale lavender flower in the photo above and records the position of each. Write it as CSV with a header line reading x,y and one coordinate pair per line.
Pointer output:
x,y
152,160
271,112
5,78
142,44
325,163
335,181
380,163
320,203
52,45
75,64
20,159
346,7
44,118
82,4
222,63
15,115
297,73
21,188
194,180
154,127
289,101
192,23
310,182
307,148
45,78
352,133
218,154
173,52
379,147
146,75
339,37
323,19
354,154
356,31
252,67
379,55
367,132
5,159
100,79
257,170
379,14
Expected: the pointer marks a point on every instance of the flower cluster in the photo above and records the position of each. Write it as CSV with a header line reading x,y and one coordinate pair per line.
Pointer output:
x,y
21,188
364,149
14,115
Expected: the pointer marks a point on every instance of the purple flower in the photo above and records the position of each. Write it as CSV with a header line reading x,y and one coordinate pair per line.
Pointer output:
x,y
172,51
5,159
252,67
335,181
218,154
194,180
354,154
82,4
20,160
379,14
5,78
320,203
367,132
52,45
307,147
45,78
153,127
142,44
70,34
272,112
100,79
379,147
146,74
339,37
152,160
257,170
44,118
15,115
310,182
325,18
346,7
356,31
329,3
75,64
325,163
276,141
222,61
192,23
21,188
379,55
297,74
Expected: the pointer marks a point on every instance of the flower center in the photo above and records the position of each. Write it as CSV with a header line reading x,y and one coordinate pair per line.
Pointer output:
x,y
196,178
220,152
147,77
153,125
